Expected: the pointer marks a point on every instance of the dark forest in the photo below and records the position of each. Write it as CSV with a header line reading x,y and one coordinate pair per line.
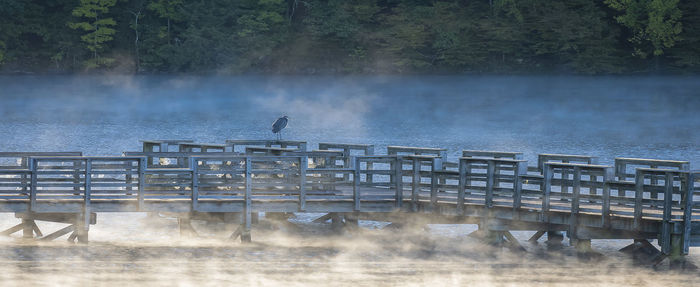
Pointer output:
x,y
350,36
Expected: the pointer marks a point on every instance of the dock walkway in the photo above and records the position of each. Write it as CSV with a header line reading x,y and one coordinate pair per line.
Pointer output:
x,y
638,199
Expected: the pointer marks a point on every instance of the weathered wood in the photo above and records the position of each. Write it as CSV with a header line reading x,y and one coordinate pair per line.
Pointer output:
x,y
461,188
537,236
247,217
59,233
688,203
398,175
13,229
162,145
298,145
571,194
356,186
492,154
347,150
621,165
666,223
415,185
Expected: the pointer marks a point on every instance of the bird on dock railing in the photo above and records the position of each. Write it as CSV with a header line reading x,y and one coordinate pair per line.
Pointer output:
x,y
279,125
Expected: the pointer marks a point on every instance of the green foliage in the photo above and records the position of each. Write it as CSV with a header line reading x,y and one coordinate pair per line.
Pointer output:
x,y
98,31
573,35
654,24
168,9
171,10
686,52
352,36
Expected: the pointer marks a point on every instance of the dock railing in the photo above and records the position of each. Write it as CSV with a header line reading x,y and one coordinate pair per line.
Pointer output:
x,y
298,145
573,194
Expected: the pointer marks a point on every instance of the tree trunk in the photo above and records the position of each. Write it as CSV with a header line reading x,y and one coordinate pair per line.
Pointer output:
x,y
137,59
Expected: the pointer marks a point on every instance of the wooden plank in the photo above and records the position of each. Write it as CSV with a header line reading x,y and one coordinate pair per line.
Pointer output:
x,y
195,184
248,196
576,192
356,186
460,189
398,182
520,170
59,233
11,230
666,224
492,154
490,182
638,195
433,189
84,225
605,210
32,194
546,191
621,164
687,204
415,185
303,161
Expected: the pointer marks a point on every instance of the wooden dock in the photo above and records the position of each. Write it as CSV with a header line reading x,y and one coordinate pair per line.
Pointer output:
x,y
636,199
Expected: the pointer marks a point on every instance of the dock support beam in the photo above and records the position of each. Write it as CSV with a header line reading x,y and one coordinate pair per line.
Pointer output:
x,y
497,234
27,228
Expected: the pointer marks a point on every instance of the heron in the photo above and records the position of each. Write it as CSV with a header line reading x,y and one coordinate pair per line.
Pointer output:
x,y
279,125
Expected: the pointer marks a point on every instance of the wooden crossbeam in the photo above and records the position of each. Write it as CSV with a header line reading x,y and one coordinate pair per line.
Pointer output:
x,y
59,233
13,229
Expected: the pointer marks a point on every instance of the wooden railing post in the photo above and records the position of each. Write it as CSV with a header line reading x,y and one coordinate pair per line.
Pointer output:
x,y
460,189
142,182
518,185
303,162
392,166
546,190
398,180
433,187
76,175
356,185
667,223
32,191
653,181
369,151
347,161
82,234
415,188
576,197
195,183
638,194
687,205
605,210
247,221
490,181
24,179
129,177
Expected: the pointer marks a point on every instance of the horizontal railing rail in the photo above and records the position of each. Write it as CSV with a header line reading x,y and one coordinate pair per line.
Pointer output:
x,y
573,189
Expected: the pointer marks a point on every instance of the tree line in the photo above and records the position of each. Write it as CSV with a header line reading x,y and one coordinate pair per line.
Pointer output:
x,y
351,36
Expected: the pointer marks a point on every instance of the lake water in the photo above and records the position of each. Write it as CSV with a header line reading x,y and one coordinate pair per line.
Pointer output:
x,y
649,117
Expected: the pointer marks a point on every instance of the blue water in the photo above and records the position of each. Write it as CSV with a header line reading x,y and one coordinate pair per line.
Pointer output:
x,y
649,117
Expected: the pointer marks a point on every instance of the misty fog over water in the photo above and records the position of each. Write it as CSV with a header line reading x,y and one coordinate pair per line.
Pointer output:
x,y
650,117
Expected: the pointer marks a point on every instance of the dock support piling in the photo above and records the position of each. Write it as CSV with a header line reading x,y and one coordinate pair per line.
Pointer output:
x,y
27,228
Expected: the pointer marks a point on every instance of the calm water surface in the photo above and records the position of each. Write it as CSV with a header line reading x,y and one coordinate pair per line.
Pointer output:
x,y
651,117
106,115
